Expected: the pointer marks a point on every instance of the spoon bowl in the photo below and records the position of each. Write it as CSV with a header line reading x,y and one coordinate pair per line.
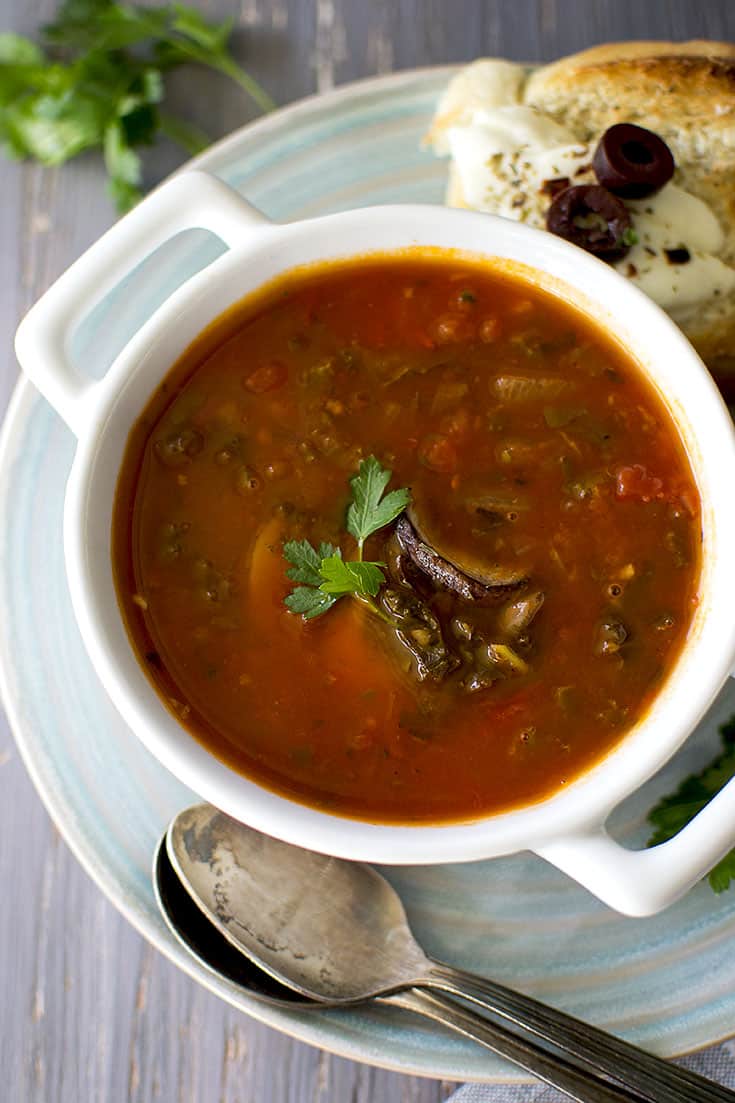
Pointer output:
x,y
337,930
201,938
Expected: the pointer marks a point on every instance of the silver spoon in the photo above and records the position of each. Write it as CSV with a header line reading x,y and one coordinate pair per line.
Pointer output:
x,y
188,922
336,932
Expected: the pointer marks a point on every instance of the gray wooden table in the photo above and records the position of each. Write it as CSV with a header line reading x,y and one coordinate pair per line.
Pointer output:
x,y
89,1013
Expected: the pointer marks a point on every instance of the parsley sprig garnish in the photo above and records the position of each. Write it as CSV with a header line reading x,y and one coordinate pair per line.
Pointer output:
x,y
369,510
98,82
673,812
323,574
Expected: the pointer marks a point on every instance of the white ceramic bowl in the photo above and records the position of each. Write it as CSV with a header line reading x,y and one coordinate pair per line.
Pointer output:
x,y
568,828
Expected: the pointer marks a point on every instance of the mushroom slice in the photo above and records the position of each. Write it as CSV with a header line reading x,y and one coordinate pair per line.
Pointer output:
x,y
472,580
516,617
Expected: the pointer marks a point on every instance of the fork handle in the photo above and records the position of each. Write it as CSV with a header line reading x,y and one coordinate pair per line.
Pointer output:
x,y
655,1080
577,1083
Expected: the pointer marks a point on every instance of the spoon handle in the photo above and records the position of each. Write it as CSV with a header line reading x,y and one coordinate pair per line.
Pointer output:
x,y
655,1080
577,1083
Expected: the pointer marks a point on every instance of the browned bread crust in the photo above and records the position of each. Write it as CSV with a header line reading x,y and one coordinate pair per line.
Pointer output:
x,y
689,79
685,91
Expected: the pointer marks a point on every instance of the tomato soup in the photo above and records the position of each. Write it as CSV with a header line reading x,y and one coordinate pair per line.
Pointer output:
x,y
533,580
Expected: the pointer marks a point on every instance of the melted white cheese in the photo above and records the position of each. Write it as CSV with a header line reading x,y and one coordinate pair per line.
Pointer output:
x,y
504,152
673,219
502,164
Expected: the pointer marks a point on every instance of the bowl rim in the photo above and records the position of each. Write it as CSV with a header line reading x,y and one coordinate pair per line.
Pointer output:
x,y
586,803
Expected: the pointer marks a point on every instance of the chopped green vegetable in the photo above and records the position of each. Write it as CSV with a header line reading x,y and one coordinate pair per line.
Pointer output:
x,y
629,236
102,82
324,574
369,510
674,811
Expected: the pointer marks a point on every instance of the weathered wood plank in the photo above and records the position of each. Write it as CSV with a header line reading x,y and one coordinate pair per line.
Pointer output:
x,y
90,1014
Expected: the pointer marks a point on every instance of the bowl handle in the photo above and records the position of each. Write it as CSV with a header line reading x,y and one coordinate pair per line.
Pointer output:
x,y
191,200
643,882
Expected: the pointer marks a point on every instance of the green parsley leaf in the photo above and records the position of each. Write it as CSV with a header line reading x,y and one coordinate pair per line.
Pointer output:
x,y
309,599
103,82
673,812
322,571
363,579
51,128
369,510
723,873
307,560
629,236
123,166
17,50
309,602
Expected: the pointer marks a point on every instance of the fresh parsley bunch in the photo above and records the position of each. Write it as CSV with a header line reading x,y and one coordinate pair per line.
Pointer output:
x,y
99,83
323,575
676,810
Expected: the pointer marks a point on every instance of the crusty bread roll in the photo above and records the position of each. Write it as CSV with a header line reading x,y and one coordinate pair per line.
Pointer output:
x,y
685,92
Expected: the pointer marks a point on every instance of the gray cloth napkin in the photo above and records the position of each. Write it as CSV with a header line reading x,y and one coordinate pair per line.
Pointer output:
x,y
717,1063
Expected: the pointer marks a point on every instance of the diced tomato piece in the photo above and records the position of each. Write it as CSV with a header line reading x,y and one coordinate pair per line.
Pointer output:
x,y
636,481
267,377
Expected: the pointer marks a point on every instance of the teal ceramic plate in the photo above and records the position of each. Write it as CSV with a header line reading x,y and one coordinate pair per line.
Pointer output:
x,y
667,983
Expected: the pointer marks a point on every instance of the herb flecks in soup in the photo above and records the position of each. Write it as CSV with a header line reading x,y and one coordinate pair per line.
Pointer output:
x,y
533,593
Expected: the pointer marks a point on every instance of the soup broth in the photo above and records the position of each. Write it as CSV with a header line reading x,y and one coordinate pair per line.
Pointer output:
x,y
536,592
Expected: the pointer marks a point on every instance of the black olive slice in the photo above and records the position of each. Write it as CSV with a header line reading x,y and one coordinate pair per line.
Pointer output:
x,y
590,216
632,161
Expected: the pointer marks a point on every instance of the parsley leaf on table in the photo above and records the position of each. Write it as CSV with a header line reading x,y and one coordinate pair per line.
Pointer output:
x,y
17,50
324,575
102,82
673,812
